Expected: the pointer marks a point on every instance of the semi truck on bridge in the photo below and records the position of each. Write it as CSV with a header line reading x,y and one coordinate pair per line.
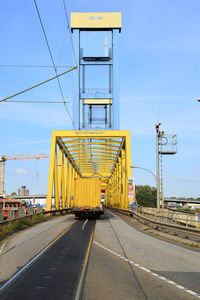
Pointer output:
x,y
87,198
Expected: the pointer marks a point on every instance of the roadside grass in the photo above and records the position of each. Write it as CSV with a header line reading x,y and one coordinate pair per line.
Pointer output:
x,y
16,225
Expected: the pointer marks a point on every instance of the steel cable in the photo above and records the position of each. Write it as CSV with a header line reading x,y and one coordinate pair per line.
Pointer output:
x,y
53,63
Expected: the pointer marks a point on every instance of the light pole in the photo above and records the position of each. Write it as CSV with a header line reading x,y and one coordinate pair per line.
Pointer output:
x,y
155,177
136,167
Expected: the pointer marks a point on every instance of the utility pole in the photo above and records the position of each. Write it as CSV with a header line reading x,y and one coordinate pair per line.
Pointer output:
x,y
157,126
166,144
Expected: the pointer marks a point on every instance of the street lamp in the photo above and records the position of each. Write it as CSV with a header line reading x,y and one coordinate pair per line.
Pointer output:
x,y
136,167
166,144
149,171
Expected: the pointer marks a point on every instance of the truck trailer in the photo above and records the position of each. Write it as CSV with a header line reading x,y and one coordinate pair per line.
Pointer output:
x,y
87,198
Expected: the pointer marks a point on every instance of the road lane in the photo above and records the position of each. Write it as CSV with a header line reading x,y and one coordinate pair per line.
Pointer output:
x,y
152,260
21,247
54,275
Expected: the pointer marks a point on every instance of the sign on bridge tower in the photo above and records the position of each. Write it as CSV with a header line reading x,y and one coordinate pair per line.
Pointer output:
x,y
96,88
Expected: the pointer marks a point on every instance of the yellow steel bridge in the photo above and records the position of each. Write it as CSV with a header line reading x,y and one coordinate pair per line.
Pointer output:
x,y
89,153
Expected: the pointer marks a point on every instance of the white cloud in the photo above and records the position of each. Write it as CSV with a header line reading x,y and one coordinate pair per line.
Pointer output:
x,y
21,171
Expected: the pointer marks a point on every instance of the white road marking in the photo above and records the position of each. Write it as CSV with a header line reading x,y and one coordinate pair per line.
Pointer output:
x,y
83,227
23,269
171,282
2,247
150,272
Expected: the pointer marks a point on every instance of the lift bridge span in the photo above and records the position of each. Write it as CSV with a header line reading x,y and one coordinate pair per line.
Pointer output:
x,y
98,149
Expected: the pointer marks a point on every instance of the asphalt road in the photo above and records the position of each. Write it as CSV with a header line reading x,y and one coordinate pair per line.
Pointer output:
x,y
128,264
19,248
124,263
56,273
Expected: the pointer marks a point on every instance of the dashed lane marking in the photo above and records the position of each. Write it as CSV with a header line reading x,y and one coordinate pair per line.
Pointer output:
x,y
2,247
83,227
24,268
149,271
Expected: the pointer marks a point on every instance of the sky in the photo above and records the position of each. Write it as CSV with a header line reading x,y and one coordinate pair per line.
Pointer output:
x,y
160,76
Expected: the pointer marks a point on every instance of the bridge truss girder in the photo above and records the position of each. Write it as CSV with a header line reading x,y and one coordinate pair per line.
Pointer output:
x,y
88,161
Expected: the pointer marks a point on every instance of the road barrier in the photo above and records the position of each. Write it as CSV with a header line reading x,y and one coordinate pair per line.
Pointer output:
x,y
192,233
54,212
189,219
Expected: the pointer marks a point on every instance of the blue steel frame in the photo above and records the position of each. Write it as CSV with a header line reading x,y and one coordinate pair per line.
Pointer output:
x,y
79,96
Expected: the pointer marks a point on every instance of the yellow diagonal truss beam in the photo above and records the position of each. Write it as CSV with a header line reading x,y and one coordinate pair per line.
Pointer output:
x,y
104,154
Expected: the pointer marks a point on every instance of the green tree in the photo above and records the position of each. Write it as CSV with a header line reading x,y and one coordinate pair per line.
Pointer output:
x,y
146,195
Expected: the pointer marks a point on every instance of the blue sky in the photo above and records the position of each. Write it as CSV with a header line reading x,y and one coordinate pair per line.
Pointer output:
x,y
160,76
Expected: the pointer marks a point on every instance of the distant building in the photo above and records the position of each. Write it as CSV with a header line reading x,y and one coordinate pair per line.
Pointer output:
x,y
23,191
13,195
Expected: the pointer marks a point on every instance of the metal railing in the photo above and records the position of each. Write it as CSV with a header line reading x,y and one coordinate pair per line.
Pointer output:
x,y
188,219
54,212
177,229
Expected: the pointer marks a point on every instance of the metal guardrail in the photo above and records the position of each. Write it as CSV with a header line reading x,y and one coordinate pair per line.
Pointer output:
x,y
19,212
162,225
51,213
190,219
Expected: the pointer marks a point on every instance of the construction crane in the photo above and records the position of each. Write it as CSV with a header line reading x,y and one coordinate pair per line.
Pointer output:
x,y
4,158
